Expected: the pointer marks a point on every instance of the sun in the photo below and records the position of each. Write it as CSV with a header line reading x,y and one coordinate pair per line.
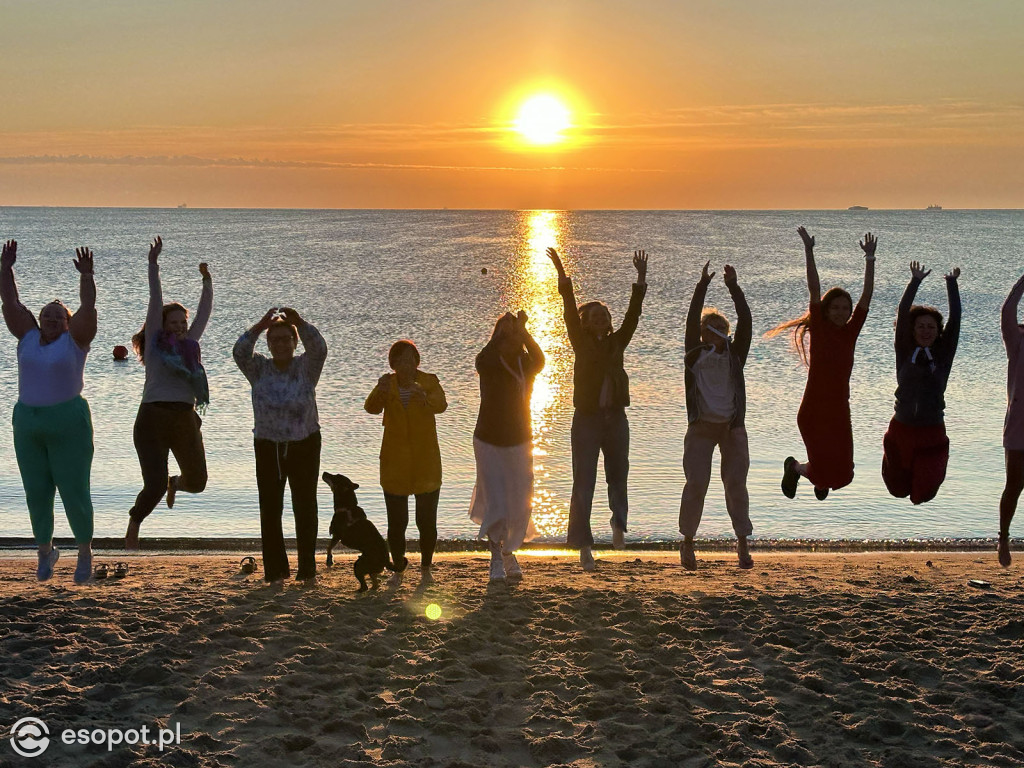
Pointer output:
x,y
543,119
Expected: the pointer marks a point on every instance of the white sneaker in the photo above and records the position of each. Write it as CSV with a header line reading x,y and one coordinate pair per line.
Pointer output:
x,y
512,570
618,537
497,567
587,559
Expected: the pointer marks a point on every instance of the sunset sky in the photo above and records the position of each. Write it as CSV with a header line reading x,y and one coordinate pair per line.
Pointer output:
x,y
695,105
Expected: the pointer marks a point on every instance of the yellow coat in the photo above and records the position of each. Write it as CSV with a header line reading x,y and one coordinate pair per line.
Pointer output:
x,y
410,459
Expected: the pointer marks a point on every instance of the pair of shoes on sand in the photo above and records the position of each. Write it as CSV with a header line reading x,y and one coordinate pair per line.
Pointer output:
x,y
688,559
504,566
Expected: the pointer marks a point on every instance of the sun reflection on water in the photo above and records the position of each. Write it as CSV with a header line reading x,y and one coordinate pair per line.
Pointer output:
x,y
534,288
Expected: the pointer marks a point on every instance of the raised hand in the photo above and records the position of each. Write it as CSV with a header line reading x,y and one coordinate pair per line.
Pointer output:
x,y
384,382
291,316
84,261
806,237
557,261
10,254
954,274
204,270
705,276
640,263
730,275
267,319
917,271
868,245
154,249
522,317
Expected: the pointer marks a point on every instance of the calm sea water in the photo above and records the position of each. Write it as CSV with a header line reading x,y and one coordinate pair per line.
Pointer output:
x,y
367,278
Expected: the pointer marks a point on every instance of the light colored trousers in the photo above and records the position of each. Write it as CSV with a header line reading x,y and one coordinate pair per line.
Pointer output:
x,y
698,448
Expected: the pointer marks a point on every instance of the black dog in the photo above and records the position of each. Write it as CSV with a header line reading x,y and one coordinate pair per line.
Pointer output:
x,y
352,528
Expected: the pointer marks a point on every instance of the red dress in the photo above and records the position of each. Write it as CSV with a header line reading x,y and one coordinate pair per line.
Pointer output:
x,y
824,416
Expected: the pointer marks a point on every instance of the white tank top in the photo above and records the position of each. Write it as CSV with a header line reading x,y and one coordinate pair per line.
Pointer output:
x,y
49,373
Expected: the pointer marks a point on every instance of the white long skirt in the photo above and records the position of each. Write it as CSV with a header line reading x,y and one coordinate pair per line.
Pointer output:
x,y
502,500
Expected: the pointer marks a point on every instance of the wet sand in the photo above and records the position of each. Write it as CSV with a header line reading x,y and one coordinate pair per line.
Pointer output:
x,y
882,659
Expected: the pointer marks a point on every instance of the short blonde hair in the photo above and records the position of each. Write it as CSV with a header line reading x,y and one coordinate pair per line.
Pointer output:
x,y
709,314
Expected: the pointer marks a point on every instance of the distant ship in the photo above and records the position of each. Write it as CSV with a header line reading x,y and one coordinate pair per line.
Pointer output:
x,y
857,208
934,208
183,205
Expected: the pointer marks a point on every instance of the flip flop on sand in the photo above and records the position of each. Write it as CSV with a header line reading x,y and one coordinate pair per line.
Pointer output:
x,y
100,572
248,564
120,570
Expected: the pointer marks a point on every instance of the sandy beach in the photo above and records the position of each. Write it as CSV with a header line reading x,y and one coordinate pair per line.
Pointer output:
x,y
887,659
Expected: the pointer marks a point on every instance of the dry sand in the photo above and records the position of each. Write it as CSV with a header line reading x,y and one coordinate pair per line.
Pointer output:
x,y
808,659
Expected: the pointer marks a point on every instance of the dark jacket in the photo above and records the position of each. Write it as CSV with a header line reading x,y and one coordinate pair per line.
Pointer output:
x,y
921,384
504,417
597,358
738,347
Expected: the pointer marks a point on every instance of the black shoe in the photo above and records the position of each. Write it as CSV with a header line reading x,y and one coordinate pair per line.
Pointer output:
x,y
790,477
821,493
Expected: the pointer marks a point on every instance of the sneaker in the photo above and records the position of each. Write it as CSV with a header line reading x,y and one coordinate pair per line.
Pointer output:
x,y
512,570
821,493
790,477
686,556
497,567
172,490
44,572
618,538
1004,550
587,559
83,571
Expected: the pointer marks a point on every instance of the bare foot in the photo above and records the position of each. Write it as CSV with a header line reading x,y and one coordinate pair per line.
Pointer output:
x,y
131,537
1004,550
686,556
743,552
172,490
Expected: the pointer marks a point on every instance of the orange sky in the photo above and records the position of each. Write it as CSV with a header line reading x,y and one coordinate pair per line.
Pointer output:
x,y
714,104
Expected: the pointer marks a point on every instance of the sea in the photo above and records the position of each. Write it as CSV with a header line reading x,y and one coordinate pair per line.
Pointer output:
x,y
441,278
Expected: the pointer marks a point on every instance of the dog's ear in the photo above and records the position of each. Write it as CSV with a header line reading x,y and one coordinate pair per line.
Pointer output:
x,y
354,486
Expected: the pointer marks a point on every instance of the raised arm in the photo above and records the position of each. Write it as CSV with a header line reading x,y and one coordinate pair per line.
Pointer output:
x,y
700,291
155,312
744,321
313,344
636,299
19,320
573,326
195,332
904,331
813,283
533,351
868,245
951,333
83,322
245,347
1008,316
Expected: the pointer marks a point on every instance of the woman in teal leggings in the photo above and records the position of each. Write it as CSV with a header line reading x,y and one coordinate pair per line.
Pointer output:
x,y
52,424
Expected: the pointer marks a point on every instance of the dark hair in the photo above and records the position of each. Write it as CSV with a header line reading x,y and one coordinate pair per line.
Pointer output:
x,y
801,326
139,339
923,310
584,308
280,322
398,348
60,304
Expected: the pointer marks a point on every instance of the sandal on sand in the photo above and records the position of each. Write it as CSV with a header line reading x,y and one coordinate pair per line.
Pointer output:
x,y
1004,550
820,493
248,564
790,477
100,572
120,570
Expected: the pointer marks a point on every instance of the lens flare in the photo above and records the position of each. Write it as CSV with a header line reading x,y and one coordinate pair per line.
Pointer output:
x,y
433,611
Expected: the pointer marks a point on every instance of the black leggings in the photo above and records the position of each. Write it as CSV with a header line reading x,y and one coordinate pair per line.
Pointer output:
x,y
162,428
426,523
298,464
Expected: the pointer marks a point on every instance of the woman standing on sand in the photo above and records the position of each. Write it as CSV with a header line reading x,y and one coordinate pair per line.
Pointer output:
x,y
716,404
52,424
286,433
175,386
502,443
916,449
824,417
600,396
1013,427
410,458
